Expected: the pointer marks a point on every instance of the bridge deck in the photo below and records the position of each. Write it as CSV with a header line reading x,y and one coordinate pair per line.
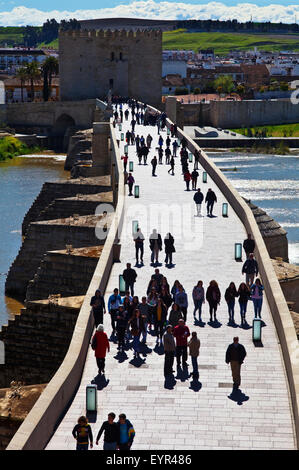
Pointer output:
x,y
187,417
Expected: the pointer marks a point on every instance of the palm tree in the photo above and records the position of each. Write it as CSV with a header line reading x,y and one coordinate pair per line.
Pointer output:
x,y
50,67
33,74
22,76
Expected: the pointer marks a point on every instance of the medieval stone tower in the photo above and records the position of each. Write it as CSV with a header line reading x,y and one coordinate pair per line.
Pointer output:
x,y
129,63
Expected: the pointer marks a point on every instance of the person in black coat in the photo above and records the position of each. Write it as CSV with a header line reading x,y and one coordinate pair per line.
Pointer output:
x,y
198,198
155,245
169,248
249,245
235,355
210,200
129,276
98,307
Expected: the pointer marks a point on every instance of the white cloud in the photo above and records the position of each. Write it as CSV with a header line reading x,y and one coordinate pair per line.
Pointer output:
x,y
21,15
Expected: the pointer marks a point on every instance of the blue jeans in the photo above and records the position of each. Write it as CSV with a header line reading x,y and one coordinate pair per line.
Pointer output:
x,y
136,343
144,333
243,308
81,446
195,367
231,309
109,446
197,306
257,303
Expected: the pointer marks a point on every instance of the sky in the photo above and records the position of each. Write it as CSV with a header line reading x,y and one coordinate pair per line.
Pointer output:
x,y
35,12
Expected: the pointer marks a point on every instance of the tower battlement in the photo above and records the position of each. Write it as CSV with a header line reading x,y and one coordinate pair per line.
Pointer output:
x,y
112,34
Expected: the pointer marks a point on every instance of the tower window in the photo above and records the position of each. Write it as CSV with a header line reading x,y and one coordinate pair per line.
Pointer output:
x,y
120,56
111,83
112,56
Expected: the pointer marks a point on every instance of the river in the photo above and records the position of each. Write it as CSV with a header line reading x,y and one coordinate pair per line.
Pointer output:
x,y
20,182
272,183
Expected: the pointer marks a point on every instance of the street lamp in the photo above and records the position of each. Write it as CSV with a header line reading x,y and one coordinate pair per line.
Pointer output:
x,y
136,191
225,209
238,251
204,177
91,398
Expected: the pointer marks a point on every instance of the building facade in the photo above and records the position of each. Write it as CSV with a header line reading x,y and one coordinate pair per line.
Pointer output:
x,y
128,63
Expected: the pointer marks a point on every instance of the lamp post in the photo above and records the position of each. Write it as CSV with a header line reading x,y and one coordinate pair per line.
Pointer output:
x,y
204,177
91,398
238,251
190,158
121,285
131,166
122,136
136,191
126,149
257,330
225,209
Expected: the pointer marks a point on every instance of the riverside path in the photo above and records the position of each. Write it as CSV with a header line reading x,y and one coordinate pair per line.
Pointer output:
x,y
186,415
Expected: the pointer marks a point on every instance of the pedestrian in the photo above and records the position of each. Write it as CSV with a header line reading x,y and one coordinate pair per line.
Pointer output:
x,y
187,179
184,142
175,315
181,334
129,275
172,163
165,297
126,433
167,155
128,137
130,182
145,313
244,296
133,124
194,176
198,198
98,307
213,297
137,142
230,296
160,141
175,130
83,434
126,113
175,289
149,141
160,315
100,345
256,291
160,154
154,163
169,351
122,318
168,141
174,147
151,301
235,355
198,295
139,245
137,327
139,155
181,299
114,302
196,159
251,269
125,160
111,433
249,245
155,246
169,248
194,345
210,200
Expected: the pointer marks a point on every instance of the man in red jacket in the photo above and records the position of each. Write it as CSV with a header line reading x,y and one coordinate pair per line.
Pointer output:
x,y
181,333
100,344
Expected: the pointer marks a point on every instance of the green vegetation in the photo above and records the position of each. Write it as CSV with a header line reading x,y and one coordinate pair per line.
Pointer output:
x,y
260,147
282,130
11,147
223,43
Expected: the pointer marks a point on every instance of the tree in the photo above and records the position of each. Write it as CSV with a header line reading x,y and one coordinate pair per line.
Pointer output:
x,y
224,84
33,74
22,76
50,67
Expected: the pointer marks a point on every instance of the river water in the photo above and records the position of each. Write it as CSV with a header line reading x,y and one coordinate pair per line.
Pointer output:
x,y
20,182
272,183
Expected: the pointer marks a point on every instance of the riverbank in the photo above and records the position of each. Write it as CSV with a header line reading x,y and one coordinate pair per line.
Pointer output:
x,y
11,147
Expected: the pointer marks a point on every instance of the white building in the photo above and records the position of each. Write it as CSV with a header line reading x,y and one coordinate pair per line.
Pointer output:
x,y
173,66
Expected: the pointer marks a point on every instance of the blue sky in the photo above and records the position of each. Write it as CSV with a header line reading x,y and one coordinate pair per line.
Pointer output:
x,y
34,12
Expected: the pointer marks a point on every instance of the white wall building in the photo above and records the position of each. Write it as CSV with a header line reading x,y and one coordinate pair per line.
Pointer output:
x,y
172,66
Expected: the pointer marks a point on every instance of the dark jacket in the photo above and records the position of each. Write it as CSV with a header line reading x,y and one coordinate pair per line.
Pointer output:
x,y
198,197
249,245
230,294
211,196
163,313
153,240
129,275
244,295
250,267
213,298
111,432
235,353
169,244
134,326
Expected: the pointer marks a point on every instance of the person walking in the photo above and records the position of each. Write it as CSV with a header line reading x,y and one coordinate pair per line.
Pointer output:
x,y
155,246
230,296
196,159
160,141
194,345
160,154
187,179
83,434
167,155
194,176
145,313
244,296
198,198
198,295
210,200
175,315
130,181
181,334
249,245
256,291
98,307
181,299
125,160
129,275
235,355
169,351
169,248
111,433
174,148
137,327
160,315
213,297
114,302
251,269
172,164
126,433
121,326
152,300
133,124
138,238
149,141
101,346
154,163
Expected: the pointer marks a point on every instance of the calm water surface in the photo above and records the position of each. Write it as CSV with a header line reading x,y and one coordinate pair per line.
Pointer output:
x,y
272,183
20,182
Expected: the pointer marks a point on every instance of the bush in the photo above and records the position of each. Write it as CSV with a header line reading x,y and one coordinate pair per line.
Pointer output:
x,y
11,147
181,91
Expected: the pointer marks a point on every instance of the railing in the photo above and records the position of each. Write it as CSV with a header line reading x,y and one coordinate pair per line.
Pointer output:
x,y
41,422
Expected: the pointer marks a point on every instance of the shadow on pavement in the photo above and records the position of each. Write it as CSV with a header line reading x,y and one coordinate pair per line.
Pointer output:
x,y
195,385
100,381
238,396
